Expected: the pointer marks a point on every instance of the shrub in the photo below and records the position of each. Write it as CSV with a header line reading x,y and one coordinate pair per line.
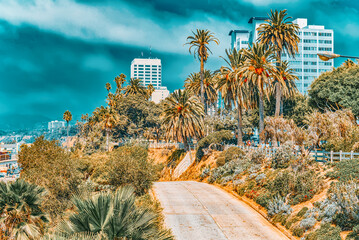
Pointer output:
x,y
298,231
48,165
325,232
258,156
345,170
282,157
278,206
306,184
228,155
216,138
281,184
291,221
302,212
346,197
127,166
308,223
264,198
205,172
354,235
176,156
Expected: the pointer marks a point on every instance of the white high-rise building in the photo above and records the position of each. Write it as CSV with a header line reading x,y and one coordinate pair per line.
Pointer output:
x,y
148,70
313,39
56,125
159,94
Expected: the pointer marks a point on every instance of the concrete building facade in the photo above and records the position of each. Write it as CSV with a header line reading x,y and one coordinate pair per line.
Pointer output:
x,y
306,64
148,70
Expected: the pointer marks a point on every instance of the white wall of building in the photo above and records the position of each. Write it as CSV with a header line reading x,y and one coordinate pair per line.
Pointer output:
x,y
148,70
313,39
160,94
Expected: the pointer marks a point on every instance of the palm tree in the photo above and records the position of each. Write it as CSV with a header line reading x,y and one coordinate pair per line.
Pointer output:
x,y
20,210
287,78
112,216
67,117
108,87
282,34
258,71
200,41
193,84
183,117
135,87
120,80
107,119
150,90
231,87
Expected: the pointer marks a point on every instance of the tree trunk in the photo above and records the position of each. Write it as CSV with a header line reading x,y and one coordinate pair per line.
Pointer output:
x,y
240,126
278,95
278,89
202,78
261,113
107,141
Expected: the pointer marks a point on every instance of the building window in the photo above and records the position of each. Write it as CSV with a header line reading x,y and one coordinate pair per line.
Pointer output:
x,y
325,34
325,41
325,63
310,41
325,49
244,42
310,48
298,69
310,55
310,34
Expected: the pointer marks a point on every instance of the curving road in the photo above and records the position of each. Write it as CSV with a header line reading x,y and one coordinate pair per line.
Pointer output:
x,y
200,211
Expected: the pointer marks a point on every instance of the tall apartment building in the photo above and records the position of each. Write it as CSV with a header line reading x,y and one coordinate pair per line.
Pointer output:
x,y
148,70
56,125
313,39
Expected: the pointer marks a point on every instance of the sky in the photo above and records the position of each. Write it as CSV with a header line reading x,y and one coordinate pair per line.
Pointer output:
x,y
57,55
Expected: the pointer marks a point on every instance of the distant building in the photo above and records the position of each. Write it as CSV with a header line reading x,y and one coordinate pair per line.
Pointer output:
x,y
54,126
148,70
313,39
160,94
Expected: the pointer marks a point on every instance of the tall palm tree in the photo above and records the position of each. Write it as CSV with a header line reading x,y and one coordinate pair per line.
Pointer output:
x,y
135,87
150,90
258,72
281,33
120,80
20,210
107,119
287,78
230,85
183,117
108,87
67,117
193,84
112,216
199,42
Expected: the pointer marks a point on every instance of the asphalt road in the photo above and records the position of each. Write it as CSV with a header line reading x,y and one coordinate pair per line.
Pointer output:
x,y
197,211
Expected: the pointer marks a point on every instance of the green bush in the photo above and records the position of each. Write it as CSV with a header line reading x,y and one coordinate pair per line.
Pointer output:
x,y
291,221
298,231
281,184
302,212
264,198
282,157
305,186
176,156
127,166
216,138
325,232
354,235
258,156
345,170
228,155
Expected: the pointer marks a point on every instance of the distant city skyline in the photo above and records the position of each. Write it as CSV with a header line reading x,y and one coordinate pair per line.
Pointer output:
x,y
58,55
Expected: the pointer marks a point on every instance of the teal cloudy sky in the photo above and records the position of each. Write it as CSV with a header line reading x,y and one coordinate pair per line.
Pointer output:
x,y
58,54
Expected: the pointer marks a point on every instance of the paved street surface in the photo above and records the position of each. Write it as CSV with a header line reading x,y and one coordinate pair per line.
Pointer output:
x,y
197,211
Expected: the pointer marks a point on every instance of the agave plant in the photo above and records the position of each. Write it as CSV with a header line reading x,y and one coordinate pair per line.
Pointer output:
x,y
112,216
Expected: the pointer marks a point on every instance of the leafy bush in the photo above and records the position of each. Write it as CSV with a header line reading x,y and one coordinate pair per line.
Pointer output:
x,y
325,232
264,198
302,212
282,157
308,223
345,170
354,235
216,138
278,206
258,156
298,231
176,156
228,155
305,186
46,164
281,184
346,197
205,172
233,168
127,166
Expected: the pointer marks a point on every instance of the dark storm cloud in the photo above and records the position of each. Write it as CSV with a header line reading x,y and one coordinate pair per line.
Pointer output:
x,y
57,55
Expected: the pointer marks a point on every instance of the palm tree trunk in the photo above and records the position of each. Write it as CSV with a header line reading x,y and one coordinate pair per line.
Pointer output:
x,y
107,141
202,78
240,126
261,113
278,89
278,95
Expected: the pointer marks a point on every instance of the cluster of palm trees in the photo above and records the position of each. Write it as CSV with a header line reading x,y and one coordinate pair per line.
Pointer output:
x,y
250,75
